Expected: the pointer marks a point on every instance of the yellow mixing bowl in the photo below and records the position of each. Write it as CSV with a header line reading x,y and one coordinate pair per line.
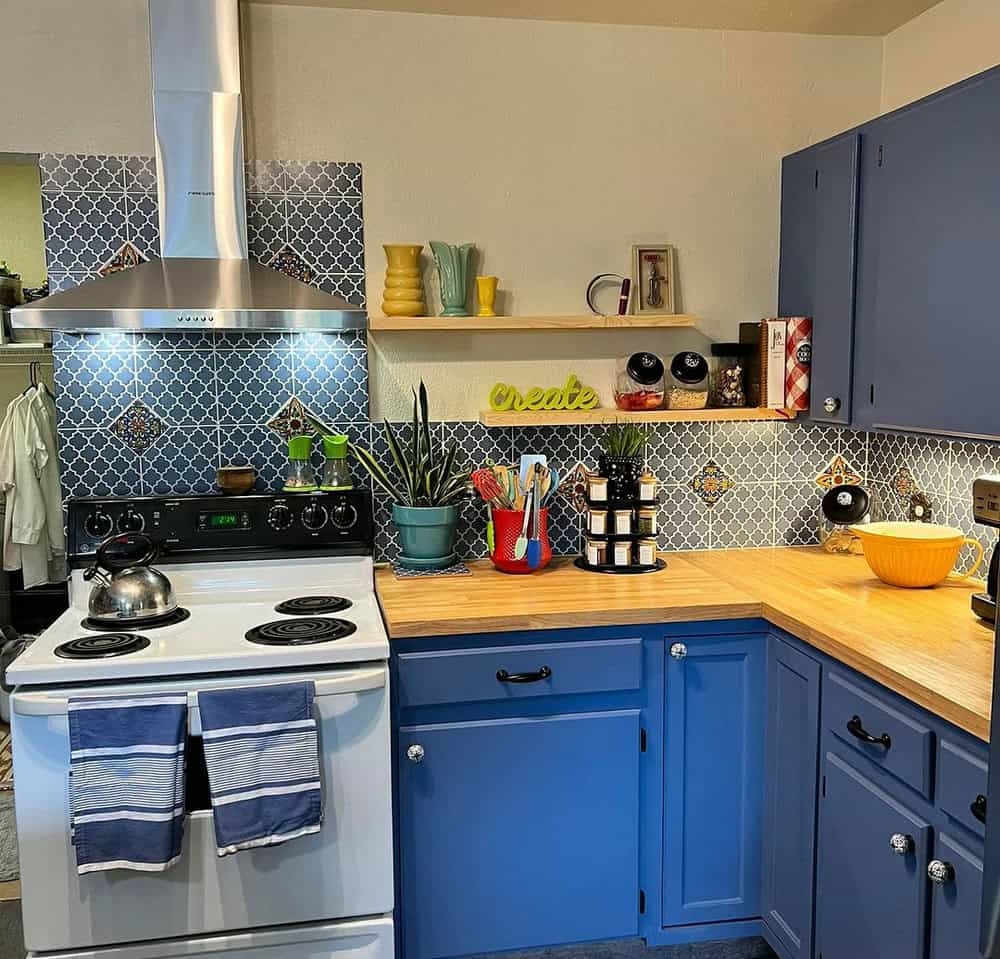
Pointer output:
x,y
915,554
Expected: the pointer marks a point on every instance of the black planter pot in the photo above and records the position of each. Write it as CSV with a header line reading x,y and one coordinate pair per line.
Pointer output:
x,y
623,474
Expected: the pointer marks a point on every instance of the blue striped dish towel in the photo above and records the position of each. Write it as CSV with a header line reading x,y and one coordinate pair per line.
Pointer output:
x,y
262,756
127,781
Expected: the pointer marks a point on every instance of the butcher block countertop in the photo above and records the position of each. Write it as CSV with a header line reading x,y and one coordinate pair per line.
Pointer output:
x,y
923,643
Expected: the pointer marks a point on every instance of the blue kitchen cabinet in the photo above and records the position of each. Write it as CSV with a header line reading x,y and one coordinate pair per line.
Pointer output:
x,y
518,832
956,898
712,778
931,228
819,224
791,783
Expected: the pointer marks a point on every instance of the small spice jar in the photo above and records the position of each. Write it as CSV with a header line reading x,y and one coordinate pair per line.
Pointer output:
x,y
597,552
623,522
728,365
646,548
647,486
623,554
597,489
597,522
646,522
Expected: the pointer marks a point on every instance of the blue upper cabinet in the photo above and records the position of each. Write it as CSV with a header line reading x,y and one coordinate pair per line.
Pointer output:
x,y
791,776
712,776
936,174
819,221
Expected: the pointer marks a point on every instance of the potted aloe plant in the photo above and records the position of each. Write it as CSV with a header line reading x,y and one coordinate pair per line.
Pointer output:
x,y
425,487
621,462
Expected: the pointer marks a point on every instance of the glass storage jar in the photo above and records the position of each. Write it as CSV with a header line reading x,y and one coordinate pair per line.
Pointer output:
x,y
729,362
639,382
688,387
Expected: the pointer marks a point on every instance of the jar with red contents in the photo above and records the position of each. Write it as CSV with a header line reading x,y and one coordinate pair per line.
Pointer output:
x,y
639,383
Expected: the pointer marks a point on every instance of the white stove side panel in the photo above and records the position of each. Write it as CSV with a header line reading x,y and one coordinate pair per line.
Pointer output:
x,y
343,871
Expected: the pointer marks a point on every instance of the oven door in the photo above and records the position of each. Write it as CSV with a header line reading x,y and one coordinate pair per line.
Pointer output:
x,y
343,871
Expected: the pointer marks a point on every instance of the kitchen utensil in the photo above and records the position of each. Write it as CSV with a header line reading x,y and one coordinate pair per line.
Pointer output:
x,y
486,485
508,523
505,478
554,480
521,546
914,555
127,588
235,480
491,542
529,460
534,545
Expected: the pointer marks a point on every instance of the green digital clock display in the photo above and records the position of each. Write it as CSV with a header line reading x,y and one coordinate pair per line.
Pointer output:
x,y
223,520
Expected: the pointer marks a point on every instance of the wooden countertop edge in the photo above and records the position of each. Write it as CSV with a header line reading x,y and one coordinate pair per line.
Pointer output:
x,y
941,706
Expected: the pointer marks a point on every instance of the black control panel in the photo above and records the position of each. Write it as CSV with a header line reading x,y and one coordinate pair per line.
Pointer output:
x,y
216,527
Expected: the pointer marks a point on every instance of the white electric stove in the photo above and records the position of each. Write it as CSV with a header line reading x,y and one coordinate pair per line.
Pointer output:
x,y
270,589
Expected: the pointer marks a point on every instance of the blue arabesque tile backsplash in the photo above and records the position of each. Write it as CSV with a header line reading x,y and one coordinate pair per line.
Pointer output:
x,y
158,413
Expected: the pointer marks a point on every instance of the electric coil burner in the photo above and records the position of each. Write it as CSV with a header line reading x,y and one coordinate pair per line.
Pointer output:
x,y
300,632
313,605
150,622
102,647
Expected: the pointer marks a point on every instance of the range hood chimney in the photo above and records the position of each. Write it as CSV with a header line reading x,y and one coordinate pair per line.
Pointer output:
x,y
204,279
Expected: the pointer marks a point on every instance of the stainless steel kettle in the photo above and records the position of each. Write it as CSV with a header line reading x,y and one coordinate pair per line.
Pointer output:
x,y
127,590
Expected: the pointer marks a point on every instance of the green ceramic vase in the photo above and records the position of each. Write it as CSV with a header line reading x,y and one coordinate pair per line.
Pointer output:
x,y
453,273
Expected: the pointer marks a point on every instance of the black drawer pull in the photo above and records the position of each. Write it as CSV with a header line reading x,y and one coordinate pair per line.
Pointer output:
x,y
858,731
504,677
978,808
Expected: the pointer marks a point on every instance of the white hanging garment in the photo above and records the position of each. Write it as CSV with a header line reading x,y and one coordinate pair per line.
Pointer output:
x,y
46,461
8,485
28,528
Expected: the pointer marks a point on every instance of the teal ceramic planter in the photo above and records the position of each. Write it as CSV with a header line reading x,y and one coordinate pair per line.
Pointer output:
x,y
426,535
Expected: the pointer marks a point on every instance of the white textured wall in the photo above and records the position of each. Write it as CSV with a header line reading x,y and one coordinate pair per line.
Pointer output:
x,y
951,41
552,146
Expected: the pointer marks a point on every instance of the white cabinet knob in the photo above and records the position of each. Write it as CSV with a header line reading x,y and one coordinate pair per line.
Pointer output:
x,y
415,753
678,650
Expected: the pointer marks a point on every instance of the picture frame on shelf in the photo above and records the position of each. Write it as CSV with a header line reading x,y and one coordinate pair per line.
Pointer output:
x,y
652,278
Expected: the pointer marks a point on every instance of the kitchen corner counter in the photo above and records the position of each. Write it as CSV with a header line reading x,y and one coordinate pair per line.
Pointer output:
x,y
925,644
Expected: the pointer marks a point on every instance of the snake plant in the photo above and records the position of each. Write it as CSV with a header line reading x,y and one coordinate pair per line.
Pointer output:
x,y
427,474
624,439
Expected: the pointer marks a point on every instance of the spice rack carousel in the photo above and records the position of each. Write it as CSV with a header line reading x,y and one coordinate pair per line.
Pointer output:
x,y
611,539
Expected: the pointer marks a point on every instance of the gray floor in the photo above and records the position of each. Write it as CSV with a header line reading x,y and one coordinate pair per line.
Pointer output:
x,y
11,937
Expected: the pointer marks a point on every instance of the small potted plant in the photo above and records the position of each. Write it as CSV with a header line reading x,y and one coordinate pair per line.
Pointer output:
x,y
622,459
10,286
425,490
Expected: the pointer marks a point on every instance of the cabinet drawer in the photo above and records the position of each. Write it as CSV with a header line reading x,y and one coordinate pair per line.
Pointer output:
x,y
519,672
904,747
961,781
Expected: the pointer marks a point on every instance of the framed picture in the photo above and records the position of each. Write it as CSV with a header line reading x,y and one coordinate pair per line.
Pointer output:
x,y
652,279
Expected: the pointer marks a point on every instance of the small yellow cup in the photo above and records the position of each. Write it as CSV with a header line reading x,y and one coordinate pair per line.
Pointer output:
x,y
915,555
486,287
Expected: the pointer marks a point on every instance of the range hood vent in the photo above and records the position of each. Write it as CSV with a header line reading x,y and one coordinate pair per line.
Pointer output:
x,y
204,279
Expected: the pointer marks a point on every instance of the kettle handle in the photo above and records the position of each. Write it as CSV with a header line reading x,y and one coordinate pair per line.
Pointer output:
x,y
101,559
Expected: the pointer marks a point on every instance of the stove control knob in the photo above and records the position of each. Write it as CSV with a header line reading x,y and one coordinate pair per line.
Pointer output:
x,y
279,517
314,516
98,524
131,522
343,515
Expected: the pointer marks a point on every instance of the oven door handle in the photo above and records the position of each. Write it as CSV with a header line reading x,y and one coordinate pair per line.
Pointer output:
x,y
351,681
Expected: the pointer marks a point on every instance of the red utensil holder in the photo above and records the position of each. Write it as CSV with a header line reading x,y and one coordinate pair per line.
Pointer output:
x,y
507,525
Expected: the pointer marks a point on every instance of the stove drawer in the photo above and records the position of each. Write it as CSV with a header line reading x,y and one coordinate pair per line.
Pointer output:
x,y
508,673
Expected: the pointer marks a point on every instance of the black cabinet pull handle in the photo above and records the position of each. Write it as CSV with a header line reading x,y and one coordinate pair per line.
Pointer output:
x,y
504,677
858,731
978,808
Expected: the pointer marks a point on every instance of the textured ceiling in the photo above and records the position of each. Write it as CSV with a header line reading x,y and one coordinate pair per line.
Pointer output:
x,y
848,17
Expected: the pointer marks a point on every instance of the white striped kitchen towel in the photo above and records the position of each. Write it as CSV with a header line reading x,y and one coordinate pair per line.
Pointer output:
x,y
262,756
127,781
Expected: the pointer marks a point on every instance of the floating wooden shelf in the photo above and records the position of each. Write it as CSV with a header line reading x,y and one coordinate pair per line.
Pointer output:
x,y
576,417
491,324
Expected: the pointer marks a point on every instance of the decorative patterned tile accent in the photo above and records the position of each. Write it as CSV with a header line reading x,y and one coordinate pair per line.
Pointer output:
x,y
711,483
294,418
289,262
837,473
138,427
125,257
903,484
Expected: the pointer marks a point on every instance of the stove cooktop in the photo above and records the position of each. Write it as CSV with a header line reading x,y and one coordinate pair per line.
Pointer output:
x,y
102,647
300,632
123,625
313,605
226,601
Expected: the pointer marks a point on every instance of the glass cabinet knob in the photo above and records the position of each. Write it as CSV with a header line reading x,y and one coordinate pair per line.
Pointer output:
x,y
415,753
678,650
901,844
940,872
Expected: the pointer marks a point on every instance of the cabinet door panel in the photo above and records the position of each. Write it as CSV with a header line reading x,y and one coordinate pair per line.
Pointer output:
x,y
871,901
519,832
797,257
938,233
713,747
956,904
790,796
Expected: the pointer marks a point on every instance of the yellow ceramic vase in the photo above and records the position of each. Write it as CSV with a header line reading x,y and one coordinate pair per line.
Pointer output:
x,y
404,287
486,287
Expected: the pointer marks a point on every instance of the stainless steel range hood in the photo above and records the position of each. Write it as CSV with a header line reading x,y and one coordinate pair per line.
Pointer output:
x,y
204,279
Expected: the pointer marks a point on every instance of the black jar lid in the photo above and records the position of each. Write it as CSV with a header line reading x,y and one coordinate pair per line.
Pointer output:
x,y
846,504
732,349
689,367
645,368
